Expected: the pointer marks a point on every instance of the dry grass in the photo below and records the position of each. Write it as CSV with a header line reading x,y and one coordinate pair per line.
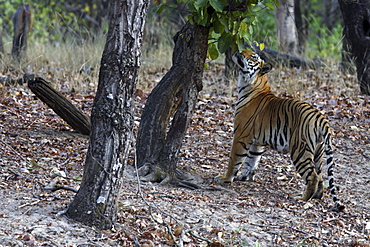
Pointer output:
x,y
72,64
75,64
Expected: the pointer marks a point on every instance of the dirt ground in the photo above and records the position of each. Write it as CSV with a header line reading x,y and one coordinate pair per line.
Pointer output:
x,y
37,147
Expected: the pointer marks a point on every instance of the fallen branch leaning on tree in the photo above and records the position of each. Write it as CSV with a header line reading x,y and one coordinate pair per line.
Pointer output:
x,y
78,120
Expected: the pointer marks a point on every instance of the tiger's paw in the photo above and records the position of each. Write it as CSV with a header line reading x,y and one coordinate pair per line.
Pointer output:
x,y
245,177
301,198
222,180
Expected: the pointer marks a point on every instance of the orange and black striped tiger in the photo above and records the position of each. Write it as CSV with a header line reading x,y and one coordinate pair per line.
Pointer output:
x,y
286,125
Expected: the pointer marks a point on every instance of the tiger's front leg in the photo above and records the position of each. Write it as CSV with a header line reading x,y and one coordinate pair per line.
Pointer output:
x,y
250,163
238,152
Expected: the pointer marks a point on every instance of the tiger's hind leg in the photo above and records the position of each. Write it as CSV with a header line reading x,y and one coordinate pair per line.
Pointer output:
x,y
306,168
318,167
320,188
250,163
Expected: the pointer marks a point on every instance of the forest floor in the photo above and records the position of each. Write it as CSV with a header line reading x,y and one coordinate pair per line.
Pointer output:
x,y
37,147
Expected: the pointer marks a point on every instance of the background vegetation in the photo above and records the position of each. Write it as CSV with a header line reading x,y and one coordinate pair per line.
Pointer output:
x,y
65,46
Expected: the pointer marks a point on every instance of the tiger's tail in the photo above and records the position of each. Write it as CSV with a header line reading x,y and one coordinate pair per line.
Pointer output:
x,y
330,166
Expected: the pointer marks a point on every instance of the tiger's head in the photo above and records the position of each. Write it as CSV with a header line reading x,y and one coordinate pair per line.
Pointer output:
x,y
250,65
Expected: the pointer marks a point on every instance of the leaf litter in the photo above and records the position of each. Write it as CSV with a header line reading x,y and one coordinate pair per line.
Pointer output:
x,y
39,150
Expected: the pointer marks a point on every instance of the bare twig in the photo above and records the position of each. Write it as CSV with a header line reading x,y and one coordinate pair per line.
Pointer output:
x,y
191,232
61,188
15,173
65,162
53,183
136,240
29,204
52,186
81,13
14,151
91,242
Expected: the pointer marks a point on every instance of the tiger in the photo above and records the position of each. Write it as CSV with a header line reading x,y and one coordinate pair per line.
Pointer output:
x,y
286,125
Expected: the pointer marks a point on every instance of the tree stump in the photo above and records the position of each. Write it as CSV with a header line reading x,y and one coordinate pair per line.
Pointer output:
x,y
60,105
159,140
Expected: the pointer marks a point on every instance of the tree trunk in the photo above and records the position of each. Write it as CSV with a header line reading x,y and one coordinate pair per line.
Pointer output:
x,y
22,26
286,29
356,18
157,149
78,120
112,117
1,44
301,26
331,14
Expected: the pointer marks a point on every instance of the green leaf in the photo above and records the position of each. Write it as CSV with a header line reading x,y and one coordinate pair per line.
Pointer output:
x,y
224,42
250,29
173,6
191,6
159,9
213,35
270,6
217,5
212,51
218,27
222,19
240,44
262,46
236,26
243,29
200,4
202,18
191,20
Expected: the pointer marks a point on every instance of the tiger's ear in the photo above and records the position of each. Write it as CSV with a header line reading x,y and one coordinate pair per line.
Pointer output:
x,y
266,68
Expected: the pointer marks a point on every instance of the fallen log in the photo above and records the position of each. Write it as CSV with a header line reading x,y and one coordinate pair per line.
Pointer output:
x,y
277,58
78,120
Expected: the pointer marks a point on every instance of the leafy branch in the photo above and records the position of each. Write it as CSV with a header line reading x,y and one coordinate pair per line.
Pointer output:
x,y
231,21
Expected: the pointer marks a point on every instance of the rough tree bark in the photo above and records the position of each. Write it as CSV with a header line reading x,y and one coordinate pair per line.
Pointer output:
x,y
356,18
286,28
112,117
156,148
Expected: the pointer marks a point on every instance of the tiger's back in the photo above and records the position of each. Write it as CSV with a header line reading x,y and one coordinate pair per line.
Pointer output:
x,y
279,124
286,125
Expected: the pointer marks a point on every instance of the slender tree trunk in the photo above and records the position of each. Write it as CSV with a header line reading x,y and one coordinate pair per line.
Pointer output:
x,y
286,28
112,117
1,44
356,18
331,14
301,27
157,149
